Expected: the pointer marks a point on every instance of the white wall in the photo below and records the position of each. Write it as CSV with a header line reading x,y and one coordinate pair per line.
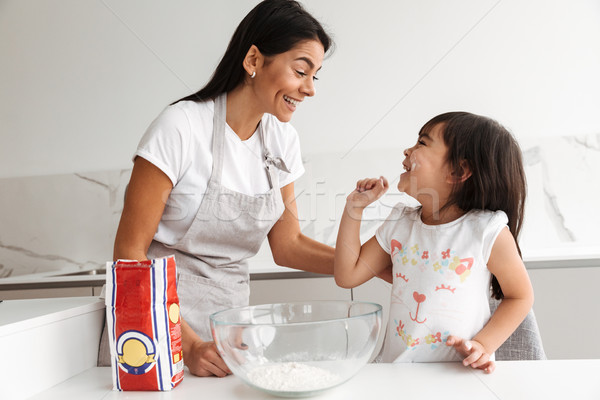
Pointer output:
x,y
81,80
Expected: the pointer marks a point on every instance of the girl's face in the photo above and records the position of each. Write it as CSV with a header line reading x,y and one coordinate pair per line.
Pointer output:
x,y
426,170
287,78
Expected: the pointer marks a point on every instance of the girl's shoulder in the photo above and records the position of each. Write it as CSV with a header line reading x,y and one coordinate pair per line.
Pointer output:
x,y
487,217
400,222
486,224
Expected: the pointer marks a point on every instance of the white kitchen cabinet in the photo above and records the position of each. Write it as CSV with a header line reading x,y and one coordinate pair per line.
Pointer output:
x,y
45,341
298,289
566,307
46,293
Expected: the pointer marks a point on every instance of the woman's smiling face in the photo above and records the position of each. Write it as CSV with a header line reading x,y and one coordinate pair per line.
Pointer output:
x,y
284,80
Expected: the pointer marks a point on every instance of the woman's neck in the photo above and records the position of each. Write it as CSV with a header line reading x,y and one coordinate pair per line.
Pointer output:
x,y
242,115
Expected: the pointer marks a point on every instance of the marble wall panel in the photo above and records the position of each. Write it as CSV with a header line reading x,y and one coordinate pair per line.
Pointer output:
x,y
57,222
69,221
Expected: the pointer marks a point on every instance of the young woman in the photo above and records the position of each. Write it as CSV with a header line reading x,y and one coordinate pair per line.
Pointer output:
x,y
466,171
214,174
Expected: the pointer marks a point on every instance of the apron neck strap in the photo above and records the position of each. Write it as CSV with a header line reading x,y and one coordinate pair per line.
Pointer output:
x,y
218,140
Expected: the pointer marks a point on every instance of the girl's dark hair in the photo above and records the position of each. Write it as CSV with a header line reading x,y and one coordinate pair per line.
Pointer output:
x,y
274,26
497,180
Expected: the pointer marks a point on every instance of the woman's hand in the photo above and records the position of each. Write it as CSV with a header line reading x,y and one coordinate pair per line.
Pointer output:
x,y
203,359
475,354
367,191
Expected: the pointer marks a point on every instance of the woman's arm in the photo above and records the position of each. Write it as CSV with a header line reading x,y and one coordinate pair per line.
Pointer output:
x,y
145,201
506,264
356,264
290,247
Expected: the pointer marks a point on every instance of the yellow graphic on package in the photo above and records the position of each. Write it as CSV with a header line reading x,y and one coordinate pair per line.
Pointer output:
x,y
135,352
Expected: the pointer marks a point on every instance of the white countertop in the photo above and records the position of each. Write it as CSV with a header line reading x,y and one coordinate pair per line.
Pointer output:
x,y
263,267
20,315
60,279
571,379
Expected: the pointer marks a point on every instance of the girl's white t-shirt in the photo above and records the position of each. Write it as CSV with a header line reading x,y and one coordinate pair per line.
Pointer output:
x,y
441,284
179,143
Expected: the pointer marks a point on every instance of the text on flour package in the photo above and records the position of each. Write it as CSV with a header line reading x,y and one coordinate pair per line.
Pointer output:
x,y
144,326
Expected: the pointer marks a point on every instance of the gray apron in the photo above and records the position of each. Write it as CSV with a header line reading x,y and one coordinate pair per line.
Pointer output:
x,y
228,229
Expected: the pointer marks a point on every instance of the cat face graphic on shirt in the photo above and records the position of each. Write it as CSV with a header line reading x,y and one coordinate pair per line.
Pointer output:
x,y
429,290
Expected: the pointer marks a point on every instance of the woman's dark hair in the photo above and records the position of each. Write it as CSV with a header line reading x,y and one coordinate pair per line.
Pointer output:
x,y
497,180
274,26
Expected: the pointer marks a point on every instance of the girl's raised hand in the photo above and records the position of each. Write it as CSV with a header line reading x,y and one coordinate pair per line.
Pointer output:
x,y
367,191
475,354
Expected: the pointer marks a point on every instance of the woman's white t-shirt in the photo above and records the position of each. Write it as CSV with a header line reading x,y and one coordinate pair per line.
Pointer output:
x,y
441,283
179,143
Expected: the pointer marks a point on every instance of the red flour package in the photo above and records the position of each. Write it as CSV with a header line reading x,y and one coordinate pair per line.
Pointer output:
x,y
144,327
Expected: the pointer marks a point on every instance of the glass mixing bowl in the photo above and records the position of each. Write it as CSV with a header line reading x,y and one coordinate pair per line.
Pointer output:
x,y
297,349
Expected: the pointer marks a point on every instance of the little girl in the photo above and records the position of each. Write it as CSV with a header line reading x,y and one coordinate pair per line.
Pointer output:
x,y
466,172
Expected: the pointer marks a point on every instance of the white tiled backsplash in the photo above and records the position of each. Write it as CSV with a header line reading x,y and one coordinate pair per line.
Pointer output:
x,y
58,221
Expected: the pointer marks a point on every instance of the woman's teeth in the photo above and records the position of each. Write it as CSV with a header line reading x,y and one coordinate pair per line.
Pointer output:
x,y
290,100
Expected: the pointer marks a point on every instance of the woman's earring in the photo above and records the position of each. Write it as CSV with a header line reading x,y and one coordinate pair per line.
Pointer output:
x,y
253,74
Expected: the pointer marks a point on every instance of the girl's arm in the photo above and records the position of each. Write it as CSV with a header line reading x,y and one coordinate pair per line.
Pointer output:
x,y
506,264
290,247
356,264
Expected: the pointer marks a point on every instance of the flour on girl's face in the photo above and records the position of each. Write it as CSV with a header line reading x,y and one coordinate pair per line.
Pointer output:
x,y
413,162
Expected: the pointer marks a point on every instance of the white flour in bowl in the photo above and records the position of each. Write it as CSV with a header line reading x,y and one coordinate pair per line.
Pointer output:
x,y
292,377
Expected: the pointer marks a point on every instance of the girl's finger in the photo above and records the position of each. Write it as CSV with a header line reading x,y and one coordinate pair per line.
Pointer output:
x,y
471,358
374,182
384,181
467,346
452,340
483,360
490,367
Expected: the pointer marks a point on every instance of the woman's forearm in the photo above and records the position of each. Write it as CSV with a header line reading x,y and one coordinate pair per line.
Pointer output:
x,y
188,337
307,254
124,252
